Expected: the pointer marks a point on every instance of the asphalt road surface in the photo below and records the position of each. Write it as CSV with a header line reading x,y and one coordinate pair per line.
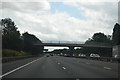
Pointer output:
x,y
60,67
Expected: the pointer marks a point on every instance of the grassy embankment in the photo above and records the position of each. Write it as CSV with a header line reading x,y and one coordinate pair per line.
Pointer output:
x,y
13,53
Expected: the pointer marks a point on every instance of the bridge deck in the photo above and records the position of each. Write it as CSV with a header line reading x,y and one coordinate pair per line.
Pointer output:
x,y
75,44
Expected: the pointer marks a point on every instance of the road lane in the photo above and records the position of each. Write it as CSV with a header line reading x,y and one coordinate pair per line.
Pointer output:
x,y
43,68
62,67
84,70
6,67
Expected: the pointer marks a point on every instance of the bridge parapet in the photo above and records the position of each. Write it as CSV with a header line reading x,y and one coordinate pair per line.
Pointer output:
x,y
67,42
74,44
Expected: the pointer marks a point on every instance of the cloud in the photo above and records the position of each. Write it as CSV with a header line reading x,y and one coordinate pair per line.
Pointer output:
x,y
60,0
100,14
37,18
97,10
26,6
91,1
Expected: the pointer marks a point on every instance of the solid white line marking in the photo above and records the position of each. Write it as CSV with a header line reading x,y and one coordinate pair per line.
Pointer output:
x,y
63,67
107,68
18,68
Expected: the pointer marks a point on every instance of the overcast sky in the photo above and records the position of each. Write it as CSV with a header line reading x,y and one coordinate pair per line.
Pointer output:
x,y
62,20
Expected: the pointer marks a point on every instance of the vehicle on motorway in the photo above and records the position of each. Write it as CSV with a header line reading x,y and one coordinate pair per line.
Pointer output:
x,y
82,55
94,55
61,54
116,56
47,55
51,54
73,54
65,54
58,54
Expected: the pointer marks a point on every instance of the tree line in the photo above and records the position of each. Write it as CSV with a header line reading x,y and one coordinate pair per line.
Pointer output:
x,y
13,40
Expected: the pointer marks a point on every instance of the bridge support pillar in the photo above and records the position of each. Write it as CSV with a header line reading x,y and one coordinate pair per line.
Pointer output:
x,y
71,48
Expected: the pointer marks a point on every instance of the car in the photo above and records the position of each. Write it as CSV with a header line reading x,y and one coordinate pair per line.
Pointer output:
x,y
61,54
51,54
116,56
73,54
94,55
82,55
65,54
47,55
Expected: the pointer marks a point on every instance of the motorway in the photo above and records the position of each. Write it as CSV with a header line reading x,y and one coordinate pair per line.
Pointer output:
x,y
60,67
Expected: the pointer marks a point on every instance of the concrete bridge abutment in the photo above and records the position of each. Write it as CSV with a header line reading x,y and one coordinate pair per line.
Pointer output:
x,y
71,50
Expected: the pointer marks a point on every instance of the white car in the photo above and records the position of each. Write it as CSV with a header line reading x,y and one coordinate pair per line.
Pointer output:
x,y
65,54
116,56
61,54
94,55
82,55
73,54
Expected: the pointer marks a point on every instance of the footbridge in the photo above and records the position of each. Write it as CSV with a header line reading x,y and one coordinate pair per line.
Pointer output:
x,y
73,44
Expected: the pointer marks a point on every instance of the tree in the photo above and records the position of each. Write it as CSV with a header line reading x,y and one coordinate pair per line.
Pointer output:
x,y
98,38
29,40
116,35
11,38
8,26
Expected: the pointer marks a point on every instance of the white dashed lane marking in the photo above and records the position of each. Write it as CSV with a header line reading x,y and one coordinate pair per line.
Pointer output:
x,y
107,68
58,63
63,67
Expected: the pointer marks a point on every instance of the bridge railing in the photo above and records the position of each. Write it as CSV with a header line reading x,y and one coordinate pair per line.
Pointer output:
x,y
67,42
76,42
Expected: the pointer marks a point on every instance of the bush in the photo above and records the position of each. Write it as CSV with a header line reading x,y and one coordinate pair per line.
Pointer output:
x,y
12,53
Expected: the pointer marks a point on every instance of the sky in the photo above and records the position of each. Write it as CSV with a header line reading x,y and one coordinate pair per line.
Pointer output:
x,y
63,20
